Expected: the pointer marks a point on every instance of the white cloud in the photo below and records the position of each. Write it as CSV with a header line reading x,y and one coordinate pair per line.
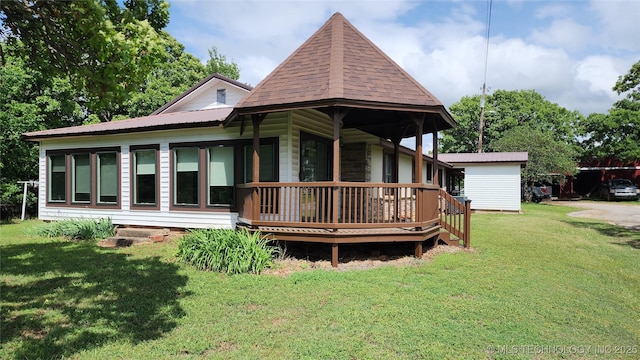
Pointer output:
x,y
553,10
441,44
618,23
564,34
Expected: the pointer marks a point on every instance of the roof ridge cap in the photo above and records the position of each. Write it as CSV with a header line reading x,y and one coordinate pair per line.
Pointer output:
x,y
336,71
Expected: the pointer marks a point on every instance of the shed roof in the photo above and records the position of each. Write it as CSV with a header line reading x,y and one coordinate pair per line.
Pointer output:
x,y
167,121
339,67
491,157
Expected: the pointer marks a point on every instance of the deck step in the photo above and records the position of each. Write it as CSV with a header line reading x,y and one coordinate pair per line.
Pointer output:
x,y
142,232
445,237
134,236
123,241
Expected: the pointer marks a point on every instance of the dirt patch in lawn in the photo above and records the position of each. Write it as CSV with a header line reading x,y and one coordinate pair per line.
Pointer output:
x,y
305,256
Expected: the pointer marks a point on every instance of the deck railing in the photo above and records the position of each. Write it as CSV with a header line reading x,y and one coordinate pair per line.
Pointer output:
x,y
455,216
339,205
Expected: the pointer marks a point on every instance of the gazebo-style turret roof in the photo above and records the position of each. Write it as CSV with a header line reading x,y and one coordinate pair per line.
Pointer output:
x,y
339,69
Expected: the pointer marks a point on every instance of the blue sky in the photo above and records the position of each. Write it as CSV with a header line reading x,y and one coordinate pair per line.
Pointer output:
x,y
569,51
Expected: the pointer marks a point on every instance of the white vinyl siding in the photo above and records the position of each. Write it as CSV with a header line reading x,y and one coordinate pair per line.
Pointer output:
x,y
202,100
493,187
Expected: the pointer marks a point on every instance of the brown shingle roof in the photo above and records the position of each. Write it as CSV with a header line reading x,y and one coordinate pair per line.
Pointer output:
x,y
339,66
176,120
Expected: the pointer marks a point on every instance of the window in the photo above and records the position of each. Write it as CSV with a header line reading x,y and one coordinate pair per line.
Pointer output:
x,y
107,177
221,96
316,158
221,179
86,177
81,175
57,183
186,166
388,167
204,175
267,162
144,177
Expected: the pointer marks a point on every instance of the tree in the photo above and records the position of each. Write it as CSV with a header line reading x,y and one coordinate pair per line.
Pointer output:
x,y
102,47
505,110
630,83
549,159
617,133
29,101
217,63
169,79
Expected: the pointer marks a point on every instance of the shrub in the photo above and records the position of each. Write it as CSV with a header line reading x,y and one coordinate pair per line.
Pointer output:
x,y
78,229
226,250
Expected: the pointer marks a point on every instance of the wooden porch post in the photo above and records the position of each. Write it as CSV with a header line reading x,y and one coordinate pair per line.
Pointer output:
x,y
396,159
420,205
256,120
436,170
418,250
395,176
419,120
334,255
337,116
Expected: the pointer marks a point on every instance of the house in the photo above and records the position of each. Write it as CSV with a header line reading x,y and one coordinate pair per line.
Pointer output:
x,y
491,180
324,129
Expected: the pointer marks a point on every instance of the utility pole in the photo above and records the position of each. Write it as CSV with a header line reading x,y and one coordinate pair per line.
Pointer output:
x,y
484,84
484,91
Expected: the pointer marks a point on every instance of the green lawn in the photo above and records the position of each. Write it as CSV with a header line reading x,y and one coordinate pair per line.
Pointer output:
x,y
537,285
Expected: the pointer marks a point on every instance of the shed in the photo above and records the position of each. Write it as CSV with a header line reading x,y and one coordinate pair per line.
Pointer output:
x,y
492,181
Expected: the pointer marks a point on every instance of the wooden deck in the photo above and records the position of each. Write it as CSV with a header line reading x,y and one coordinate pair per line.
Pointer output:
x,y
348,213
351,236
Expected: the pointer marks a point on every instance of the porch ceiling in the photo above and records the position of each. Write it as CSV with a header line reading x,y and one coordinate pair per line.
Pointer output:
x,y
389,124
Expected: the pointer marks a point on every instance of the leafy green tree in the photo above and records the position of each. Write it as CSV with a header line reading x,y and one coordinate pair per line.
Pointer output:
x,y
464,137
218,63
169,79
104,48
617,133
505,110
549,158
29,101
630,83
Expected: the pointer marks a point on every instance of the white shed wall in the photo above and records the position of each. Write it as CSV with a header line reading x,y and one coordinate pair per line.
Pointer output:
x,y
493,187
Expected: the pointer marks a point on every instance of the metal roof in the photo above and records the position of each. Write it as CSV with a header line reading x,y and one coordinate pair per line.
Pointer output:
x,y
175,120
490,157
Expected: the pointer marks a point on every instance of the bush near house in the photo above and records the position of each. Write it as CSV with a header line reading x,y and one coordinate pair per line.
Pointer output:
x,y
227,250
78,229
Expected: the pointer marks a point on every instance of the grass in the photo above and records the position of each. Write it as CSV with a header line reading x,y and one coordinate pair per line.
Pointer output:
x,y
539,279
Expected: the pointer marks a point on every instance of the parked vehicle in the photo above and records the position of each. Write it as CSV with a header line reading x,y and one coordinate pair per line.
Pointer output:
x,y
539,193
622,189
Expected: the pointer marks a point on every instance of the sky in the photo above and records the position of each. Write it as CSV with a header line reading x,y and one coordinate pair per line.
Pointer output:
x,y
571,52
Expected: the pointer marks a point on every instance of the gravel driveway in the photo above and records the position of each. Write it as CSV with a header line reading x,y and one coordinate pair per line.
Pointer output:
x,y
623,214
